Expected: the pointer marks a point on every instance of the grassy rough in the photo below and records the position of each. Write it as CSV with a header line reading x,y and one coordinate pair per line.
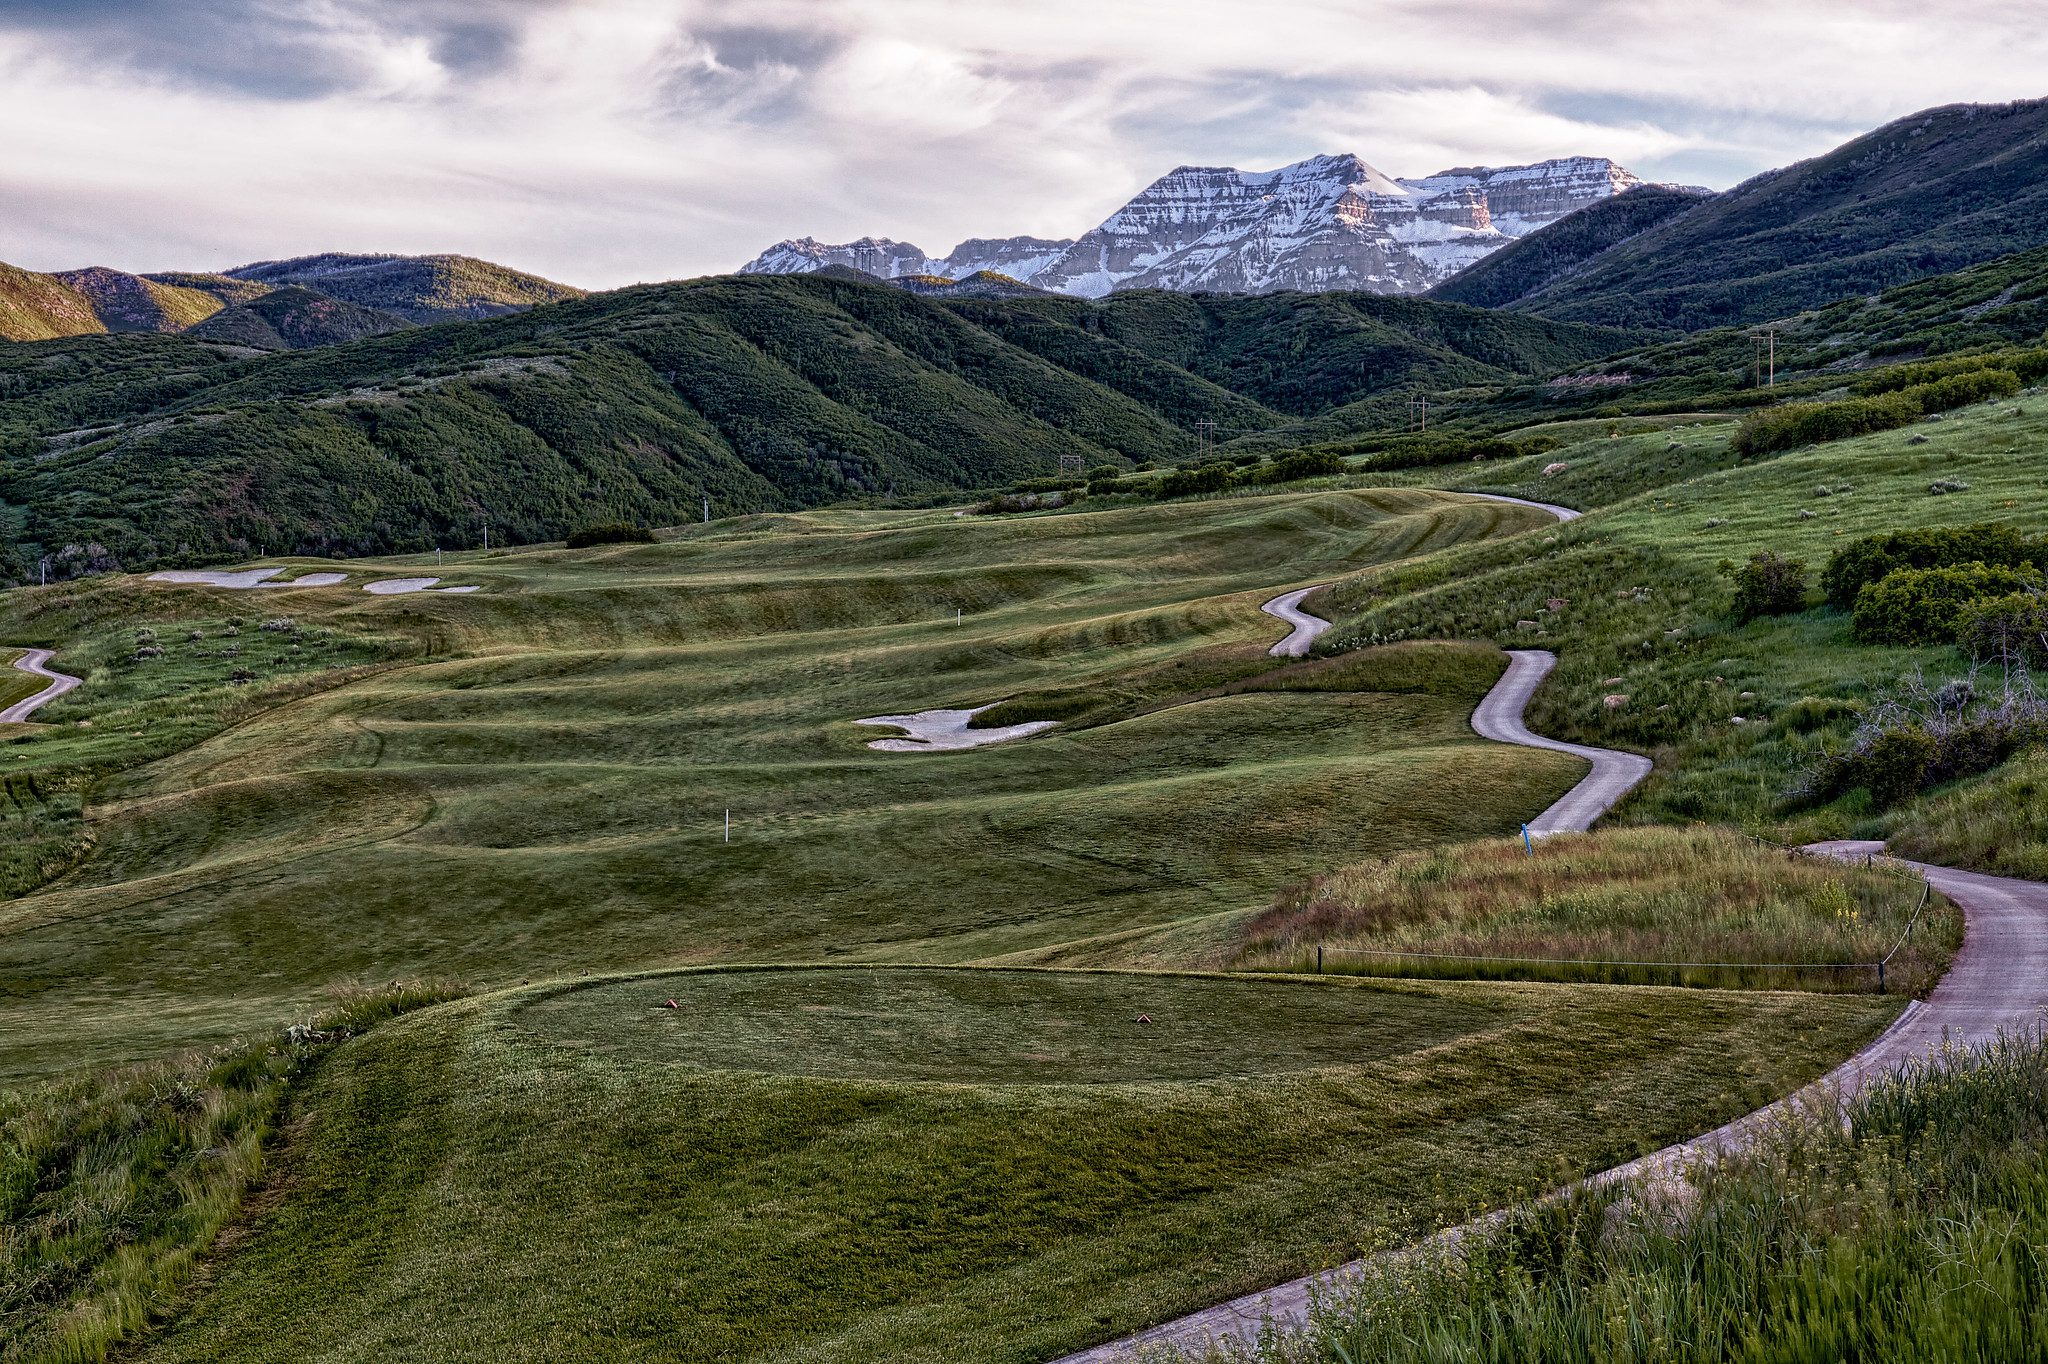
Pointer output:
x,y
114,1184
848,1165
1996,823
1909,1225
1646,894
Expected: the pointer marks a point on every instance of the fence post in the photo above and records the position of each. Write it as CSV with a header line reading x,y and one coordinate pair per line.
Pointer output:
x,y
1880,977
1319,959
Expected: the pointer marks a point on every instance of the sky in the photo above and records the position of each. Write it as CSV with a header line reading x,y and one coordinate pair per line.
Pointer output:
x,y
604,142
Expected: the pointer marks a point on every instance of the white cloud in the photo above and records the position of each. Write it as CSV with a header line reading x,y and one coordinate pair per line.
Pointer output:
x,y
604,141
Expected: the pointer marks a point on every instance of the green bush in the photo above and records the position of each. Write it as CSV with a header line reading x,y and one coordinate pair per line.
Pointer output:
x,y
1796,424
2008,629
1869,559
2026,365
1896,764
1926,605
1769,585
1317,463
1208,478
610,533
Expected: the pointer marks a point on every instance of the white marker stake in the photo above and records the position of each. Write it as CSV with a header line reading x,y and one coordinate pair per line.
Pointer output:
x,y
728,824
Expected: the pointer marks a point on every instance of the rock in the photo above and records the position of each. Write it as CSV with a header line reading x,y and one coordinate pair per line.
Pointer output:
x,y
1552,470
1916,440
1556,603
1611,682
1736,720
1614,700
1527,627
1807,513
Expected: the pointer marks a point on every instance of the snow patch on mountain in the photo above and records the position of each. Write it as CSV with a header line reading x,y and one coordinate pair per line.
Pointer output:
x,y
1330,222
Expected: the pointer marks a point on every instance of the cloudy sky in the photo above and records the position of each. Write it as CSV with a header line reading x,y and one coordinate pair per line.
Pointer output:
x,y
607,141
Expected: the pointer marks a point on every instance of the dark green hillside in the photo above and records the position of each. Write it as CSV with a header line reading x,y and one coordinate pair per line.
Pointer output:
x,y
419,288
1551,253
758,392
1930,193
294,318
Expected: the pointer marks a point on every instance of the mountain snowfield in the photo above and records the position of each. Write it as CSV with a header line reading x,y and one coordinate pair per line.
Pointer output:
x,y
1330,222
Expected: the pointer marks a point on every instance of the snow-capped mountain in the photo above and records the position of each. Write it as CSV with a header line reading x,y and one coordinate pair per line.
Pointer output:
x,y
1330,222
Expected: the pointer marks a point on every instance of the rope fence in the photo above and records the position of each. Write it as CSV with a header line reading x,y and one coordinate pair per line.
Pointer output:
x,y
1888,865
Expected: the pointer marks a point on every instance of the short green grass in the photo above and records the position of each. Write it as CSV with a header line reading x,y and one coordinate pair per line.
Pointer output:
x,y
854,1164
543,789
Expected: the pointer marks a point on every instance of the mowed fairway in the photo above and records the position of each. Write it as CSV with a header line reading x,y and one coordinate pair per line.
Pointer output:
x,y
852,1164
544,793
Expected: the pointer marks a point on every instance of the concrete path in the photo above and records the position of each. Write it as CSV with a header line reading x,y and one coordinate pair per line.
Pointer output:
x,y
34,661
1287,606
1997,983
1499,717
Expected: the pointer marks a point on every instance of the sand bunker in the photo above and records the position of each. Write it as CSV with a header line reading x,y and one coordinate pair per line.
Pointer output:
x,y
391,587
244,578
938,731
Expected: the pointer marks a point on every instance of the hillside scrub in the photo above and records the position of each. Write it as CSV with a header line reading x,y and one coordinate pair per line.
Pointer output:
x,y
114,1183
1905,1223
1870,558
1930,605
1768,585
1996,823
609,533
1795,424
2030,366
1636,895
1922,735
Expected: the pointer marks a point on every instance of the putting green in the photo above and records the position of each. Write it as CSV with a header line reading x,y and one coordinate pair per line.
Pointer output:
x,y
996,1027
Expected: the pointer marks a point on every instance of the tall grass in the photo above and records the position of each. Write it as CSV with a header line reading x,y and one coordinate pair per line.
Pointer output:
x,y
1572,904
1906,1224
112,1184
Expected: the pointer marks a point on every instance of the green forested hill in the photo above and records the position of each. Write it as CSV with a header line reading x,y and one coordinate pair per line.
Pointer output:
x,y
757,392
1551,253
1930,193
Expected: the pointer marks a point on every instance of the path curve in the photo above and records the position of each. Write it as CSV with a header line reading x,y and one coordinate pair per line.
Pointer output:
x,y
1307,628
1997,984
1499,717
33,661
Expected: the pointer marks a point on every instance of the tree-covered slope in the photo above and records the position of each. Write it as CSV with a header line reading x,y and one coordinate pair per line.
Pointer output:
x,y
1552,253
419,288
1930,193
758,392
293,318
39,307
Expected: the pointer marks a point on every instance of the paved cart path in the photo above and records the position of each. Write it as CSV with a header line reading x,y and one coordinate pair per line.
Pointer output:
x,y
35,661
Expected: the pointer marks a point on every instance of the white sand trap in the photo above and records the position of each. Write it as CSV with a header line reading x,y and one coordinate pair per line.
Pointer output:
x,y
241,579
940,731
391,587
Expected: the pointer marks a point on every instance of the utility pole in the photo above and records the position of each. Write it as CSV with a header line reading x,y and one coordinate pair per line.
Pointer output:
x,y
1418,413
1764,356
1205,436
707,509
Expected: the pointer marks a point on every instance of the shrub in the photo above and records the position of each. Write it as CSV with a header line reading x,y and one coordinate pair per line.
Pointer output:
x,y
1925,605
1871,558
1897,763
1796,424
2012,629
1317,463
610,533
1769,585
1208,478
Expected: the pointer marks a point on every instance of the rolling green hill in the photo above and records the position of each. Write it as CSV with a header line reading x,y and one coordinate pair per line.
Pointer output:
x,y
37,307
296,318
759,393
1551,253
423,289
1926,194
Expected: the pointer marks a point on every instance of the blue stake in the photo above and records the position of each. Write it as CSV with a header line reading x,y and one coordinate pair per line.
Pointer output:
x,y
1529,847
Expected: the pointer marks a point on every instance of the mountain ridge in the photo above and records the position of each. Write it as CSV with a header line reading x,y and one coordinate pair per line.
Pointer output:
x,y
1323,223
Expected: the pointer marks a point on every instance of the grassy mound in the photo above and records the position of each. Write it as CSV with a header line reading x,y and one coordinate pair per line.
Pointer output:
x,y
850,1165
1683,896
541,789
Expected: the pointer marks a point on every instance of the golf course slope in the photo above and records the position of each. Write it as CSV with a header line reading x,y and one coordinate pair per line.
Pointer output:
x,y
933,1164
